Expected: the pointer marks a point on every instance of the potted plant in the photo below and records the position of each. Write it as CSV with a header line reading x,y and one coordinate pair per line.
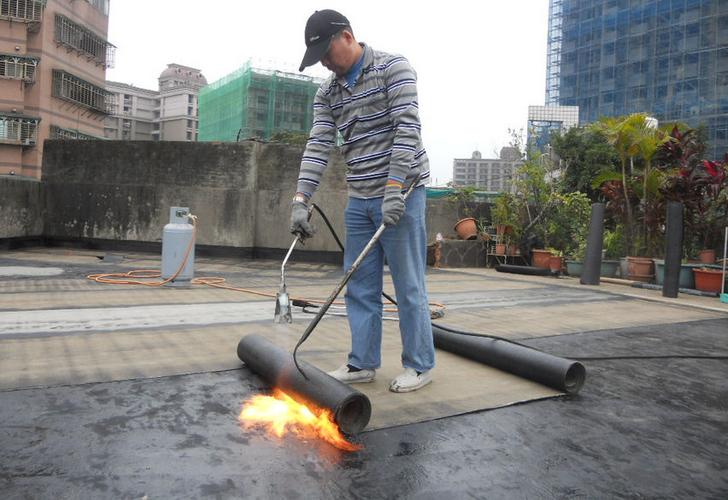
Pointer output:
x,y
504,214
613,248
708,280
464,197
556,260
575,264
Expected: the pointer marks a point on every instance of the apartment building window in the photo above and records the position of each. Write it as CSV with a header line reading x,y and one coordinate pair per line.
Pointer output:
x,y
18,67
18,130
100,5
189,123
190,111
189,135
24,10
190,99
74,89
83,40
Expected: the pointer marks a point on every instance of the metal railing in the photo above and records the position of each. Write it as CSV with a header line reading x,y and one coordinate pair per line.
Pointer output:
x,y
18,67
84,41
22,10
20,130
72,88
67,133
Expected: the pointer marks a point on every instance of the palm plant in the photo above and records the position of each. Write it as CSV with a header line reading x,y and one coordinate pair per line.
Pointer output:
x,y
621,133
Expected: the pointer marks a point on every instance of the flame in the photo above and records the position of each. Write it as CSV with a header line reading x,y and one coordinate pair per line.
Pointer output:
x,y
280,413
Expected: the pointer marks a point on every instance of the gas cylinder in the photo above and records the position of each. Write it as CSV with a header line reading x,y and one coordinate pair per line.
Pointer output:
x,y
176,238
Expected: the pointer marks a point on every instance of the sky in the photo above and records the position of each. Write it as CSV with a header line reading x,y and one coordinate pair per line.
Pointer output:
x,y
480,64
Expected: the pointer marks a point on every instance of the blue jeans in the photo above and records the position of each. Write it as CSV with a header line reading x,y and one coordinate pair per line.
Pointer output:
x,y
405,247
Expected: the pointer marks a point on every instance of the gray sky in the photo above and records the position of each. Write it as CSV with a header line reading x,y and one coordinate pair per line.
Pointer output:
x,y
480,64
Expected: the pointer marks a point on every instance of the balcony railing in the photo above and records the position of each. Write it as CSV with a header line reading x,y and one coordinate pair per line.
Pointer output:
x,y
67,133
18,67
84,41
72,88
20,130
22,10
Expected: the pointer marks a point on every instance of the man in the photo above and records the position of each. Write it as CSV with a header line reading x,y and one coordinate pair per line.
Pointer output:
x,y
371,99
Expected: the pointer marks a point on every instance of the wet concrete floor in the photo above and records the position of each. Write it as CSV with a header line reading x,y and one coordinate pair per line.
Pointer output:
x,y
640,429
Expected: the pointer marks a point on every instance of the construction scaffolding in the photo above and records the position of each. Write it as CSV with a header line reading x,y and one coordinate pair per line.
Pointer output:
x,y
256,103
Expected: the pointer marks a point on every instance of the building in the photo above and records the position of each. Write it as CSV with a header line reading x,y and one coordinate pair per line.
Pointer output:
x,y
169,114
135,115
53,60
259,103
543,121
178,89
487,174
668,58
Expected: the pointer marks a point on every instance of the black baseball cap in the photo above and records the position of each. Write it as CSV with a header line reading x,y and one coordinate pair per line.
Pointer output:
x,y
320,30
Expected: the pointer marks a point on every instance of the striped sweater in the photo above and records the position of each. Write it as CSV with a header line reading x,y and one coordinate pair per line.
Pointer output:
x,y
379,122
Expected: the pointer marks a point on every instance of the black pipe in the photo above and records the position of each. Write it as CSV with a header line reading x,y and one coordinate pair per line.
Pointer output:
x,y
673,249
593,257
530,270
350,408
560,373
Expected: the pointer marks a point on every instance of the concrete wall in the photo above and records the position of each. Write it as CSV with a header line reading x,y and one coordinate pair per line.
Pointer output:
x,y
121,191
21,208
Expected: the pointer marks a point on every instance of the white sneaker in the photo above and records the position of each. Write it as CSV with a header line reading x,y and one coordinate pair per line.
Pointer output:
x,y
351,377
410,381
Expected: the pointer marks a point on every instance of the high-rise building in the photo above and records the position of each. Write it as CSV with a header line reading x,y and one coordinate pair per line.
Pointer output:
x,y
668,58
169,114
53,60
135,115
178,90
494,174
254,102
543,121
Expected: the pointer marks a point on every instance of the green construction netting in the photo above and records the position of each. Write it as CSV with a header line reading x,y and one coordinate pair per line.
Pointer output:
x,y
445,192
257,103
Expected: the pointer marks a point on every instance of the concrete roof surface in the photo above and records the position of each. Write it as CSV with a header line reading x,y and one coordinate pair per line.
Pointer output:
x,y
121,391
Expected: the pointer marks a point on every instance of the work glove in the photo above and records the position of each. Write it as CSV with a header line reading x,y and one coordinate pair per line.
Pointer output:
x,y
299,220
392,205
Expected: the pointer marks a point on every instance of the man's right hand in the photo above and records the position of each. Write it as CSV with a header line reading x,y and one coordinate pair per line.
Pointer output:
x,y
299,221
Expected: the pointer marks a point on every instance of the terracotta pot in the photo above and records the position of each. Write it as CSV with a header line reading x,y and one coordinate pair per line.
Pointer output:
x,y
511,249
708,280
641,269
500,248
540,258
707,256
555,263
467,229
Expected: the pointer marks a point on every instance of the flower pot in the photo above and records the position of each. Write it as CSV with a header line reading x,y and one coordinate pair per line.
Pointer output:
x,y
609,268
623,268
540,258
707,256
500,229
574,268
641,269
500,248
686,280
467,229
511,249
555,263
708,280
